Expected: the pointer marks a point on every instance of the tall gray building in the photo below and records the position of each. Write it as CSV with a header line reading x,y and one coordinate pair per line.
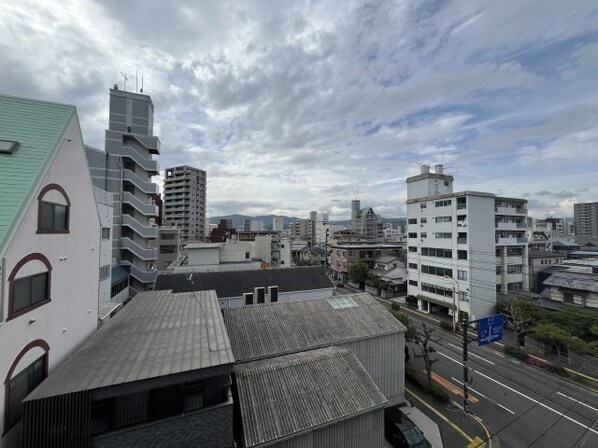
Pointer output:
x,y
185,201
586,219
125,169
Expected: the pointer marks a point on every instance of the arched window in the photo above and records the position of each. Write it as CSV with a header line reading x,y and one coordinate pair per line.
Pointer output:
x,y
29,285
18,386
53,210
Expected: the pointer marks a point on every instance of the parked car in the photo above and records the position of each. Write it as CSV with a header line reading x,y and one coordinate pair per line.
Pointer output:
x,y
401,432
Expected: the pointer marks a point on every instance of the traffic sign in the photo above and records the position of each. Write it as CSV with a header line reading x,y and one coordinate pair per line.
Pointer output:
x,y
490,329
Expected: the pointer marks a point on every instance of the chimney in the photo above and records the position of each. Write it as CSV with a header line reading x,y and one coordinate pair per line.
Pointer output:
x,y
438,168
425,169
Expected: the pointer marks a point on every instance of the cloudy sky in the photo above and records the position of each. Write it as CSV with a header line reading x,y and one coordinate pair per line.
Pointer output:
x,y
298,105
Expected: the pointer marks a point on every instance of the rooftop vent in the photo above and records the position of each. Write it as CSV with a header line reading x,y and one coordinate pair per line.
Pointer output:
x,y
438,168
425,169
8,146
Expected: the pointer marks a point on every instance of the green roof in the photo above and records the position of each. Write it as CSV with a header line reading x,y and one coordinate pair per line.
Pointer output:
x,y
37,126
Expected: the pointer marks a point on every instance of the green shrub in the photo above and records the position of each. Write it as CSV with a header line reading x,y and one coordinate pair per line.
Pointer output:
x,y
437,392
411,301
395,306
557,370
516,353
446,325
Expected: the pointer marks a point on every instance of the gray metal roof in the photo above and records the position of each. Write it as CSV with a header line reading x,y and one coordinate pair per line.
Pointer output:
x,y
235,283
284,396
157,333
573,280
265,330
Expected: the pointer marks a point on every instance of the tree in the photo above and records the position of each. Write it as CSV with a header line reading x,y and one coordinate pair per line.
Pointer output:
x,y
423,339
522,316
358,272
404,319
558,337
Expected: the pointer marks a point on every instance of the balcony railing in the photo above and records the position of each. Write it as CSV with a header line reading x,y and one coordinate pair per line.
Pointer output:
x,y
142,207
145,231
144,253
461,240
143,185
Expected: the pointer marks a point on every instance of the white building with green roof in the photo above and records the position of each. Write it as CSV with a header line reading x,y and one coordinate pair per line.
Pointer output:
x,y
49,248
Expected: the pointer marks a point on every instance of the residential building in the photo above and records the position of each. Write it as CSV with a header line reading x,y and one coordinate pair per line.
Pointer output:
x,y
264,246
463,247
185,201
50,245
252,225
571,287
299,383
277,223
169,246
157,374
365,222
286,253
538,261
303,229
356,322
240,288
214,257
564,247
222,232
344,252
585,216
312,255
125,169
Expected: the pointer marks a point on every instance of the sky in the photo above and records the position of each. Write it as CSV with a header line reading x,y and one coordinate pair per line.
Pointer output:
x,y
292,106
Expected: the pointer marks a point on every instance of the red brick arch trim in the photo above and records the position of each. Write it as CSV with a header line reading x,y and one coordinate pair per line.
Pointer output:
x,y
11,278
40,197
36,343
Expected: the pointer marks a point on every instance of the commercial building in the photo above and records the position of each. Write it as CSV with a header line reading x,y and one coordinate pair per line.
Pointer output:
x,y
185,201
240,288
157,374
50,244
585,216
125,169
169,246
463,247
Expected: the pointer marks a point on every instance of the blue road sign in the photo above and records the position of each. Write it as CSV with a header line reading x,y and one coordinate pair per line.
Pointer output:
x,y
490,329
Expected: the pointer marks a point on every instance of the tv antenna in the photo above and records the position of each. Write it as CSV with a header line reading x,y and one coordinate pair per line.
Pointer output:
x,y
124,75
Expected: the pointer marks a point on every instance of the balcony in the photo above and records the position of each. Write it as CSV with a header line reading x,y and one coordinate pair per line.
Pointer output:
x,y
143,185
149,142
139,205
144,253
461,240
142,275
149,165
143,230
510,210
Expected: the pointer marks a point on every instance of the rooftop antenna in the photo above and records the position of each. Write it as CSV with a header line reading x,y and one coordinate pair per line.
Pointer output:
x,y
442,159
141,91
136,83
124,80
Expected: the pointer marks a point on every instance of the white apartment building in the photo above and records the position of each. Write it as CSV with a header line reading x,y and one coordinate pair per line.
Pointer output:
x,y
277,224
185,202
252,225
463,247
126,169
50,244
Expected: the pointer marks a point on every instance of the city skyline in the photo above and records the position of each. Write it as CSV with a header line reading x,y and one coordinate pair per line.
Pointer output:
x,y
292,107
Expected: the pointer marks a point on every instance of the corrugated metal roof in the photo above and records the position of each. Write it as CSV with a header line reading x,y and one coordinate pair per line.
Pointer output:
x,y
284,396
235,283
37,126
157,333
573,280
260,331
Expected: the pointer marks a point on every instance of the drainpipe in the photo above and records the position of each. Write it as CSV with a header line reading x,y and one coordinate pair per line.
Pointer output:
x,y
2,284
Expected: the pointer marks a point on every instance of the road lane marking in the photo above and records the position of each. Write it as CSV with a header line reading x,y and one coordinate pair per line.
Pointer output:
x,y
452,388
483,396
439,414
525,396
580,402
471,353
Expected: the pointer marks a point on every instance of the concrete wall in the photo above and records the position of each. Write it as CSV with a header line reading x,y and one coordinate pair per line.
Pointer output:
x,y
236,302
104,204
72,314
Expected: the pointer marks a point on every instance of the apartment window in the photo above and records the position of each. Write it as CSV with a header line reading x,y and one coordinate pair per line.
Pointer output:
x,y
439,290
571,298
22,385
443,235
514,251
167,249
104,272
443,203
412,235
514,269
412,249
498,288
440,253
461,255
105,233
443,219
424,234
423,220
413,282
412,221
499,269
423,205
435,270
463,296
498,252
515,286
462,275
27,293
412,265
53,210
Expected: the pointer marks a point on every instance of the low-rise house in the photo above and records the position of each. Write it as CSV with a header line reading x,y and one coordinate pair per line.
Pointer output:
x,y
240,288
572,288
344,252
538,261
564,247
50,244
312,255
157,374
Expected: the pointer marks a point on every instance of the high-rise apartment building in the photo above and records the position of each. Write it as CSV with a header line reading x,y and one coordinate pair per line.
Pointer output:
x,y
185,201
365,222
277,223
463,247
125,169
251,225
585,216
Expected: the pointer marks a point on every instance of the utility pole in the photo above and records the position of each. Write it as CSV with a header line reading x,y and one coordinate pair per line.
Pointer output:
x,y
465,366
326,251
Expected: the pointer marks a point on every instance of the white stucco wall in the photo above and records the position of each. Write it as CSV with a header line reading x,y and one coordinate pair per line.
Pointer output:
x,y
236,302
72,314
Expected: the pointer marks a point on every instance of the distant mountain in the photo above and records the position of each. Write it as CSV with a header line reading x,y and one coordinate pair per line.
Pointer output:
x,y
238,220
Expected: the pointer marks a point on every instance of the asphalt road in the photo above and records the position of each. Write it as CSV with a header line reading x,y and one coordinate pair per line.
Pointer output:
x,y
524,406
